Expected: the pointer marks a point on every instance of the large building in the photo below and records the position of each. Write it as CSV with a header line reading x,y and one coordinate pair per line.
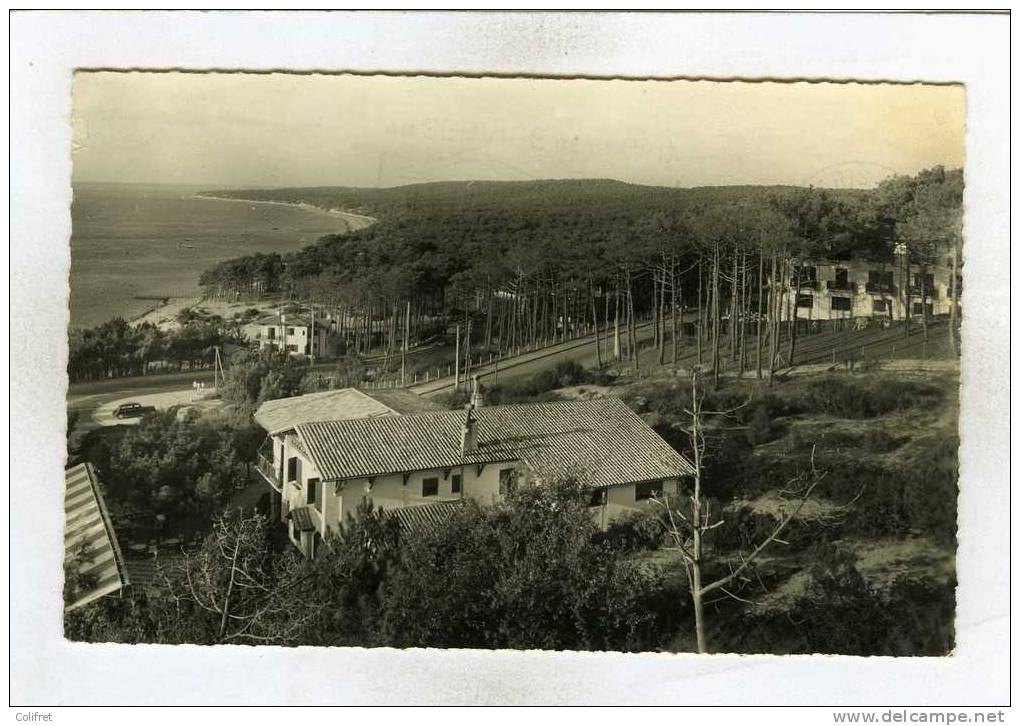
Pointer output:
x,y
859,288
322,470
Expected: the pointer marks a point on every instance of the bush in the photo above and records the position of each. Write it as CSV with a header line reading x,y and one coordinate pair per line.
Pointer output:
x,y
849,398
759,426
634,531
527,573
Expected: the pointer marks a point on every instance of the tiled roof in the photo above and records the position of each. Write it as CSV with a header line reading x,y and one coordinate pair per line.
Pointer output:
x,y
86,522
283,414
601,440
425,517
302,519
290,319
402,401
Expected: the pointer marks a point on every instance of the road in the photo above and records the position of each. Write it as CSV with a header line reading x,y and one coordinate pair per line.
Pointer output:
x,y
94,401
581,350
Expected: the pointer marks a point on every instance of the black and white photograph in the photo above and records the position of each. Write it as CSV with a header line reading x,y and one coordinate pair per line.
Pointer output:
x,y
514,363
440,363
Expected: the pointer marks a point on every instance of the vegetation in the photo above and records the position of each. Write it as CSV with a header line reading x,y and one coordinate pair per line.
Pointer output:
x,y
167,469
520,264
117,348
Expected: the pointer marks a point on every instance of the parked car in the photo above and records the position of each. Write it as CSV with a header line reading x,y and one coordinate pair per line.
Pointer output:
x,y
132,410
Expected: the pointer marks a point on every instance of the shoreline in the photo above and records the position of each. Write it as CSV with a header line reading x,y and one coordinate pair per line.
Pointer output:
x,y
361,220
164,311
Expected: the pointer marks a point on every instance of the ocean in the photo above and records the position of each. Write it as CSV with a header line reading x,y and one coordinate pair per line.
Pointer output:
x,y
131,244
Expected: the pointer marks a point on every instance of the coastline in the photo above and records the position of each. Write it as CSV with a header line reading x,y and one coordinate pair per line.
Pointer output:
x,y
354,221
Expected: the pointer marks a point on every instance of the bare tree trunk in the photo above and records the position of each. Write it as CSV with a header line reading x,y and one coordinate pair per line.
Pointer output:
x,y
631,332
701,312
795,294
954,296
734,302
673,304
773,313
595,321
662,317
924,300
616,325
761,296
743,312
716,321
906,295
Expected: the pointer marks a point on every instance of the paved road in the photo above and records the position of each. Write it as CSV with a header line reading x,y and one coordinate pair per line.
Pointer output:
x,y
581,350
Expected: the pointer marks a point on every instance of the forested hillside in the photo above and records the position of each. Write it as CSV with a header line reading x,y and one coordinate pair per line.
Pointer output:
x,y
523,262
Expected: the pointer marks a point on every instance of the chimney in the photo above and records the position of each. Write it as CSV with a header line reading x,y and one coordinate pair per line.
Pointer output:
x,y
469,432
476,393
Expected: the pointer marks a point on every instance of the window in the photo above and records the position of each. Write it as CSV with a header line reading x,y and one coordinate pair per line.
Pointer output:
x,y
880,279
927,280
271,333
507,481
430,487
841,303
879,306
293,468
842,276
598,498
312,496
805,301
647,490
806,273
456,482
290,331
917,308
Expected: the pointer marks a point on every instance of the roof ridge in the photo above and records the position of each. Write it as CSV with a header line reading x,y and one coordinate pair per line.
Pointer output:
x,y
574,402
375,400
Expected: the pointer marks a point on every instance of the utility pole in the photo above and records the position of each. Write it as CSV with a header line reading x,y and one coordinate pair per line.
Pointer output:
x,y
311,343
403,349
456,361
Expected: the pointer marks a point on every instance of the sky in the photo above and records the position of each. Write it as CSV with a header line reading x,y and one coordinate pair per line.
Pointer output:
x,y
238,129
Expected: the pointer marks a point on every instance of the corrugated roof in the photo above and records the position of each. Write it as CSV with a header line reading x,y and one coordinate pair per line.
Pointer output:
x,y
283,414
602,440
87,523
426,517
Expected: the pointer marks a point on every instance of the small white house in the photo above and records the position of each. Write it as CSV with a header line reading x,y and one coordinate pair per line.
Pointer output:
x,y
298,334
322,470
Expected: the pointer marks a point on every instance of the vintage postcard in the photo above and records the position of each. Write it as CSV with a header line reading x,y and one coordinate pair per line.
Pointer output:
x,y
370,378
514,363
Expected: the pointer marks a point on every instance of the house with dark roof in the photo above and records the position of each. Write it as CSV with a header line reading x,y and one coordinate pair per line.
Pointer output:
x,y
296,495
327,467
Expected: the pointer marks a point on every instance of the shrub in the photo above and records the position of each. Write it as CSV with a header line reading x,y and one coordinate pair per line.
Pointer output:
x,y
849,398
634,531
759,426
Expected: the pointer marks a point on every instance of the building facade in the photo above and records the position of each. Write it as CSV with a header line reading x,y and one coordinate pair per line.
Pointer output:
x,y
296,334
858,288
322,471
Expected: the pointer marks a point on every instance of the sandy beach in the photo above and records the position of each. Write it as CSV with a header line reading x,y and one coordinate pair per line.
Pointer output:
x,y
354,221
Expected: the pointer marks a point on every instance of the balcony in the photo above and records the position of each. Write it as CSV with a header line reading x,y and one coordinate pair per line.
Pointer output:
x,y
840,286
810,284
269,472
880,288
931,293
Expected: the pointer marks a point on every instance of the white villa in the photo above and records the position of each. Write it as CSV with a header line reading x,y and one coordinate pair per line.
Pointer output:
x,y
401,458
297,334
